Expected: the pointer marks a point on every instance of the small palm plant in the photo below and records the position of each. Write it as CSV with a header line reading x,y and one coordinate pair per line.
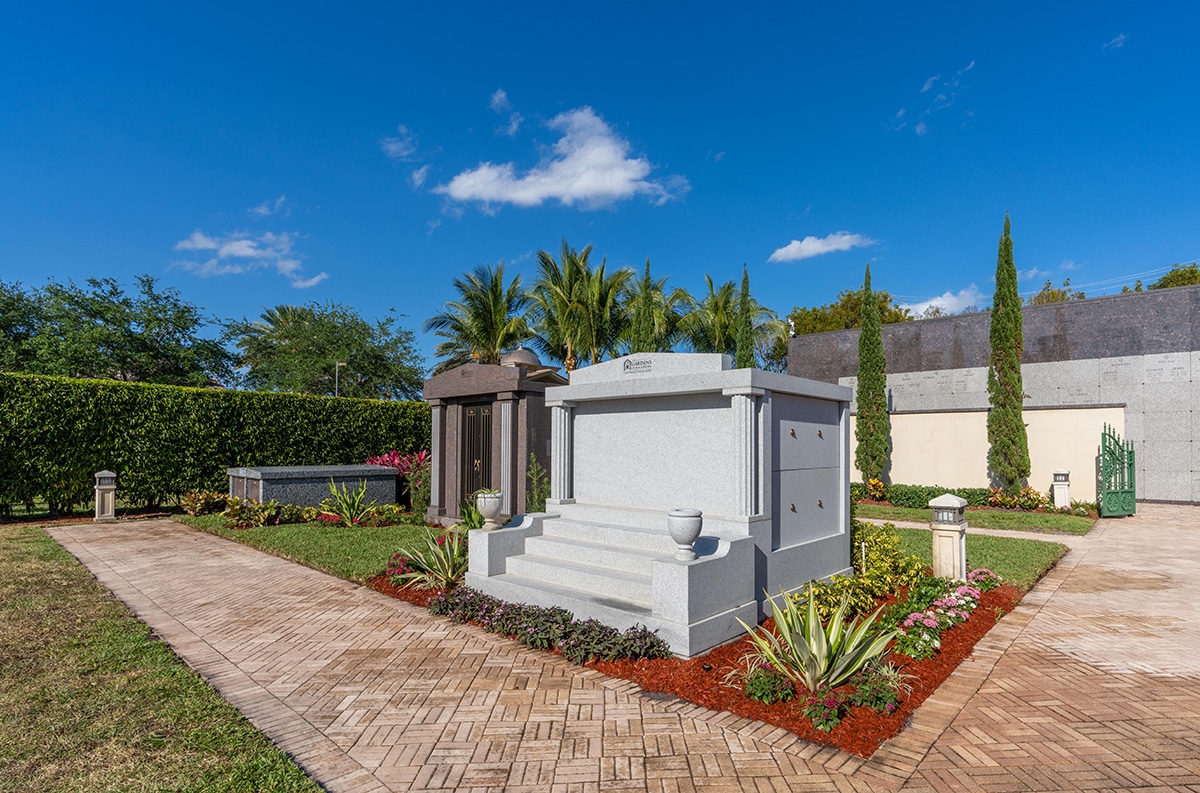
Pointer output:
x,y
814,655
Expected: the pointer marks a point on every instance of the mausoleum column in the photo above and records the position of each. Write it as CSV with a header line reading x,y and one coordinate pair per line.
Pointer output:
x,y
745,406
507,495
562,448
436,454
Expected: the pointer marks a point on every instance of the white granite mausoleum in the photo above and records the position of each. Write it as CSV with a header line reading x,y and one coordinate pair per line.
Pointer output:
x,y
764,456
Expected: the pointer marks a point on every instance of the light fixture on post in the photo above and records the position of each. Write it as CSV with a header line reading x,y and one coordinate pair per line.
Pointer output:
x,y
949,525
106,496
1061,489
337,368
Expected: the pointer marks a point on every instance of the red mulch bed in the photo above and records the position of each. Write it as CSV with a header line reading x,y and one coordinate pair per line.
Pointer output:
x,y
701,680
418,597
58,520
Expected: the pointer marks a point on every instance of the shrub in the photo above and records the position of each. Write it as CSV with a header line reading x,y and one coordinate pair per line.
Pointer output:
x,y
879,686
876,490
546,628
539,485
823,708
246,513
919,496
1026,499
813,654
768,686
203,502
290,513
163,441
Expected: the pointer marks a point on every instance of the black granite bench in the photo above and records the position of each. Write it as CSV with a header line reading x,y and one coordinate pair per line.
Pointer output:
x,y
308,485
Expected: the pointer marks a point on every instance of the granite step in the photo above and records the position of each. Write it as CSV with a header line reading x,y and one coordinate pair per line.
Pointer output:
x,y
610,557
655,541
596,581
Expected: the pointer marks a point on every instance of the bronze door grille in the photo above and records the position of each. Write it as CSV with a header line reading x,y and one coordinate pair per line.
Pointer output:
x,y
477,449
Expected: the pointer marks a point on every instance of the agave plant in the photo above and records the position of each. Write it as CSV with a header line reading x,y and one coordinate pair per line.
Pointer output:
x,y
816,655
440,565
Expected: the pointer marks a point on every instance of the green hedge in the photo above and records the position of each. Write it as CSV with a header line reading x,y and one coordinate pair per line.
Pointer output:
x,y
919,496
162,441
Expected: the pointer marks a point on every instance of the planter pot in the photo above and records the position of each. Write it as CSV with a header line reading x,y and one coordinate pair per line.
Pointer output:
x,y
488,505
684,527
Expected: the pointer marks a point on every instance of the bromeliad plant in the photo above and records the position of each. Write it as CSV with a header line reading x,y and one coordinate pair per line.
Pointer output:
x,y
350,507
815,655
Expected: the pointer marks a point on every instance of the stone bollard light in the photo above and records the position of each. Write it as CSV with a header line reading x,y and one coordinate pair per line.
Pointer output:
x,y
106,496
1061,489
949,526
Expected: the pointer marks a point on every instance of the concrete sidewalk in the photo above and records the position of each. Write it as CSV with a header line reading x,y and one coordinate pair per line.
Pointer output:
x,y
1091,684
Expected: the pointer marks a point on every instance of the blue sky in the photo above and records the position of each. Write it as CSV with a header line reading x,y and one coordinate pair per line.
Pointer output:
x,y
256,154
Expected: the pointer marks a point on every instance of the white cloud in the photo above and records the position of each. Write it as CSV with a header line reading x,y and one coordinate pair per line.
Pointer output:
x,y
310,282
240,252
267,208
401,146
1117,42
417,178
589,165
947,92
808,247
1032,272
950,302
1068,265
514,123
500,101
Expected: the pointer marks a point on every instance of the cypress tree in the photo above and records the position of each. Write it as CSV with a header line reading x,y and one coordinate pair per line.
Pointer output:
x,y
1008,455
744,357
641,331
873,425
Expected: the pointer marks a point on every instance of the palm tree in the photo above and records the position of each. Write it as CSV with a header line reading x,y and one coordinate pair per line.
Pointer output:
x,y
484,322
552,312
712,325
653,314
577,310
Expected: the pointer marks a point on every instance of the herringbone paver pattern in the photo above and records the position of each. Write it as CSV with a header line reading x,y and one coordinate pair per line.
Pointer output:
x,y
369,693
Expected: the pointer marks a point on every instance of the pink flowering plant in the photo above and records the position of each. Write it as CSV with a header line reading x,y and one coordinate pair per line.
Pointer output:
x,y
823,708
933,606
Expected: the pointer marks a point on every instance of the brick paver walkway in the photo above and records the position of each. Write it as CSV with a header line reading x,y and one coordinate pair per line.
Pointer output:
x,y
1093,683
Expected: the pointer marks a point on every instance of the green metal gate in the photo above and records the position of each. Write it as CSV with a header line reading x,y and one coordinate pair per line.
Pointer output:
x,y
1117,498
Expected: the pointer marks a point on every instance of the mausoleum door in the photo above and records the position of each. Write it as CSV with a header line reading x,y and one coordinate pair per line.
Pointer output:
x,y
476,448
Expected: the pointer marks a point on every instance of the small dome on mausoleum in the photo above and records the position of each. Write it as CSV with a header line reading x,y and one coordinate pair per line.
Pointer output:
x,y
520,357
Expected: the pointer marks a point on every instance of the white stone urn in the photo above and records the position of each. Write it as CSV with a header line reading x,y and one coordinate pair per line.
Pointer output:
x,y
488,504
684,527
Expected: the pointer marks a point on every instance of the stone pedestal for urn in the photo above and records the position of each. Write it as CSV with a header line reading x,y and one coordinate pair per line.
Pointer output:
x,y
684,527
489,505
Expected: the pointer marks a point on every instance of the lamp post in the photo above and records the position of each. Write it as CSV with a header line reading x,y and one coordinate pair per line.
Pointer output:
x,y
949,524
106,496
337,368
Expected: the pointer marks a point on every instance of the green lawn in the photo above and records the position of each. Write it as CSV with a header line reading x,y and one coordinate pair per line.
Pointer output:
x,y
1018,561
986,519
356,553
90,701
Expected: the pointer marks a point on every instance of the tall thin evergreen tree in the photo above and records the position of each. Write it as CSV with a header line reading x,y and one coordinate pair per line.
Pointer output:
x,y
873,424
1008,455
744,352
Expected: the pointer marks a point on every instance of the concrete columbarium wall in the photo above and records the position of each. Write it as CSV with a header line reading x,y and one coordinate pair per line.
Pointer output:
x,y
1137,354
763,455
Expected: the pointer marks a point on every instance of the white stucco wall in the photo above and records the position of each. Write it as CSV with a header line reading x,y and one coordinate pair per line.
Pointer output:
x,y
951,448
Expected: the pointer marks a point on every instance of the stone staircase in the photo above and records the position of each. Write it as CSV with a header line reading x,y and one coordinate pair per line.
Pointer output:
x,y
608,564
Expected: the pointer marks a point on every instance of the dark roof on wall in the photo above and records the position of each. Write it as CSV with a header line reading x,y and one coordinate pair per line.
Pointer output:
x,y
1137,323
476,379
